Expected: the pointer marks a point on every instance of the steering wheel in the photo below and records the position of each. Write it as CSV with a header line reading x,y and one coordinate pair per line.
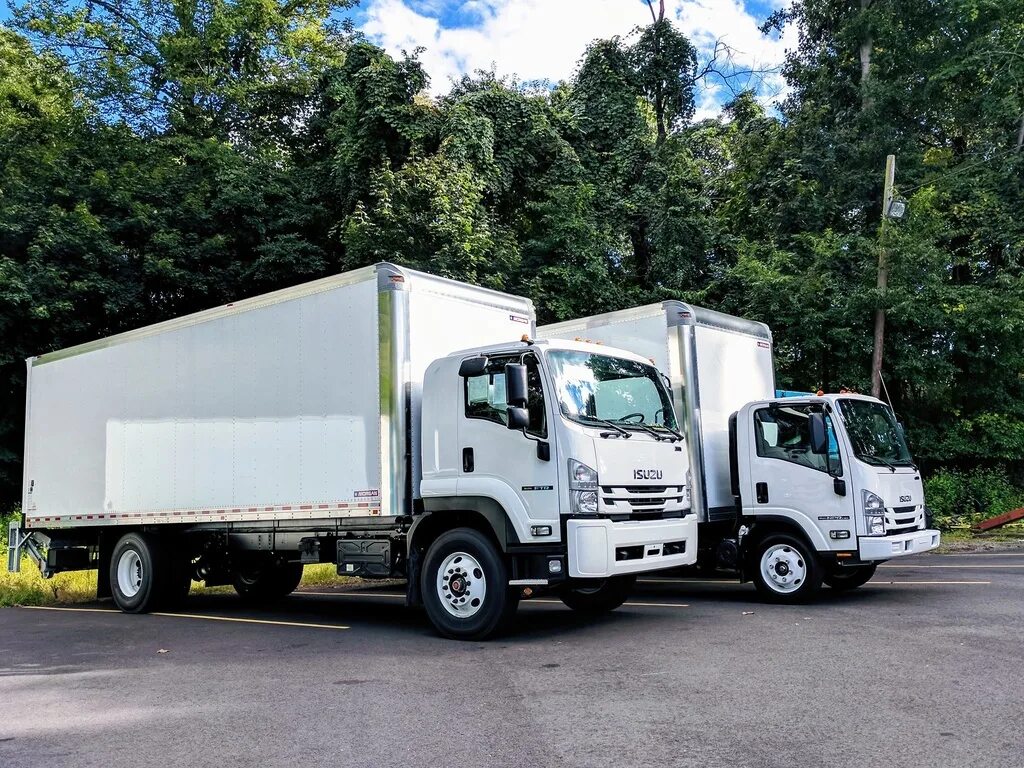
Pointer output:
x,y
638,416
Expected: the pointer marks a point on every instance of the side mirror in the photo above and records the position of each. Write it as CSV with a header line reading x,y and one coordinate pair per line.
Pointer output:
x,y
515,385
473,366
518,418
819,434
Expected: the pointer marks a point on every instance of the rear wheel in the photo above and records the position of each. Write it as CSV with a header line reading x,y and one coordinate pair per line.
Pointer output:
x,y
844,579
465,586
600,596
786,570
140,574
271,580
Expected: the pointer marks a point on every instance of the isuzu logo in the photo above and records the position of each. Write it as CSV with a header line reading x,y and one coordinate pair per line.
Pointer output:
x,y
904,499
647,474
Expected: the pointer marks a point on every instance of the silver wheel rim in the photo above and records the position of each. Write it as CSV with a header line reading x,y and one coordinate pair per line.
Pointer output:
x,y
461,585
130,573
783,568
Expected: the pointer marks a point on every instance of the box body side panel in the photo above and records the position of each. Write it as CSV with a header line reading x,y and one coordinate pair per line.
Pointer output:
x,y
265,413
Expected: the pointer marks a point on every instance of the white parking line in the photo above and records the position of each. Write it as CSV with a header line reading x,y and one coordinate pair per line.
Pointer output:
x,y
525,602
192,616
909,565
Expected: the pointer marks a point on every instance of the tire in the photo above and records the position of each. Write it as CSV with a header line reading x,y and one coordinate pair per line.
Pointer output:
x,y
140,574
845,579
464,584
267,581
786,570
601,597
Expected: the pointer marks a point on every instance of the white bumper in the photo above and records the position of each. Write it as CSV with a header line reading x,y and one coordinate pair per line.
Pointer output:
x,y
602,548
900,545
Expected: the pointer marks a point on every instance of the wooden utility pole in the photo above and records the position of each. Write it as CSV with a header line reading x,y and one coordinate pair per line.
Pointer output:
x,y
883,278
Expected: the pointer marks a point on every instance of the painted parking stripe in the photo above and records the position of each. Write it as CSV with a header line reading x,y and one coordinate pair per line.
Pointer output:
x,y
734,584
926,582
525,602
908,565
193,616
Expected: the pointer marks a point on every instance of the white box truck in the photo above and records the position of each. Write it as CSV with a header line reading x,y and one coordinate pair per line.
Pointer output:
x,y
391,422
789,492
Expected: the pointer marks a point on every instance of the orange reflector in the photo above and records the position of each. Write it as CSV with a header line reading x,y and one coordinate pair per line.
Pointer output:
x,y
844,554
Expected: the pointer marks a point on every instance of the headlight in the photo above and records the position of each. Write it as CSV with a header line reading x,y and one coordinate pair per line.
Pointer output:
x,y
582,488
874,513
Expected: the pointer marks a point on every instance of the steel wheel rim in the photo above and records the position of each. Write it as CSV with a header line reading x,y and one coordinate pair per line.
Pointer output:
x,y
461,585
783,568
130,573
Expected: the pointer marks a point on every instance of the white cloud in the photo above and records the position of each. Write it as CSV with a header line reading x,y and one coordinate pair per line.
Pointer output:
x,y
544,39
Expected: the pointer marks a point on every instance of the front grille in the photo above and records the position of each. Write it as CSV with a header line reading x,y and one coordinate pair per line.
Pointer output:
x,y
905,529
904,510
642,500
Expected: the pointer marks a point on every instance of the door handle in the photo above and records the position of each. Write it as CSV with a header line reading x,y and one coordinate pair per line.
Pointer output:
x,y
762,493
467,459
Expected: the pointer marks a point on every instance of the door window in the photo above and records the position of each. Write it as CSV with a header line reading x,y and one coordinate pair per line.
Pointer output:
x,y
485,395
784,433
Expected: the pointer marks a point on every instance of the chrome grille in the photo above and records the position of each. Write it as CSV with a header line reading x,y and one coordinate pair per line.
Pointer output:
x,y
642,499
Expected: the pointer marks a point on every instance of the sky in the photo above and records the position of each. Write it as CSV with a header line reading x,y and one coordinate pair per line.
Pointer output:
x,y
538,40
544,39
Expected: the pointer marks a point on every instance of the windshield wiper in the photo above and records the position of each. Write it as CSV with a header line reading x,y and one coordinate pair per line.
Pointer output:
x,y
892,467
660,438
619,431
676,433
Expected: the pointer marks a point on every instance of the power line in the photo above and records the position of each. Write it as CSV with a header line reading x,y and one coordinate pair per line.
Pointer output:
x,y
959,169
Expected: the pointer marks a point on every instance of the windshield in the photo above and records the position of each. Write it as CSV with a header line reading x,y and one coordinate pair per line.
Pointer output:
x,y
875,436
592,388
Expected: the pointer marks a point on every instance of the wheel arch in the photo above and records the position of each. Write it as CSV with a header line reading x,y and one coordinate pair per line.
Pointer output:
x,y
445,513
763,527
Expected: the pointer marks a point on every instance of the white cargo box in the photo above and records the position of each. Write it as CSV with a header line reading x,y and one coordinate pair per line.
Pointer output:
x,y
716,363
299,404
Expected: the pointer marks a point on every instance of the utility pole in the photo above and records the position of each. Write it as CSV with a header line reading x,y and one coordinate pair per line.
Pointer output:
x,y
883,278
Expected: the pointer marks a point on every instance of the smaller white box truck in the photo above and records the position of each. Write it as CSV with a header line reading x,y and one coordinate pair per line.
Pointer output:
x,y
789,492
391,422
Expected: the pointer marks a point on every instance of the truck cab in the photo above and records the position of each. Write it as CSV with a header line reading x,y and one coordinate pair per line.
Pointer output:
x,y
571,452
826,489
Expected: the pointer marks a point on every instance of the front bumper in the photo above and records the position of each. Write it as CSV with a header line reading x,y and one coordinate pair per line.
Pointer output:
x,y
599,548
900,545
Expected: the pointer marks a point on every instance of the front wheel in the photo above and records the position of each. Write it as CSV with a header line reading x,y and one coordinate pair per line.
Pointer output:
x,y
786,570
844,579
599,597
465,586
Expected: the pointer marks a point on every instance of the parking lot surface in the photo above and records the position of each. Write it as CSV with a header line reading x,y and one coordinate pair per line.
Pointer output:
x,y
920,667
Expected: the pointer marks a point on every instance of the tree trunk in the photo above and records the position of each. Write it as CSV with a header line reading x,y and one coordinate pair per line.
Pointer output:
x,y
866,46
641,251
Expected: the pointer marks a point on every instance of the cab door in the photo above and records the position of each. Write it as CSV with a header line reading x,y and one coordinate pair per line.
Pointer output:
x,y
515,468
788,479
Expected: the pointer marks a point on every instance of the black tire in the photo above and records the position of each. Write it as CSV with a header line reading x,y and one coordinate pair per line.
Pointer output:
x,y
845,579
598,597
267,581
481,565
790,556
140,574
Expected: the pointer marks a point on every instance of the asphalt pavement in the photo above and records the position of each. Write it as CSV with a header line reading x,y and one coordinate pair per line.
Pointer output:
x,y
923,666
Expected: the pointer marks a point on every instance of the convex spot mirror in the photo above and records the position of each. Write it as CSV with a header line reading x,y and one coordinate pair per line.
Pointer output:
x,y
473,366
518,418
819,433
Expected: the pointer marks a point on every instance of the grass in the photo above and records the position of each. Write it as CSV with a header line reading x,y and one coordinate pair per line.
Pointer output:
x,y
28,587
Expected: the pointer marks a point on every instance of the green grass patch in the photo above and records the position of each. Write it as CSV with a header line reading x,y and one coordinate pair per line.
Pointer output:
x,y
28,587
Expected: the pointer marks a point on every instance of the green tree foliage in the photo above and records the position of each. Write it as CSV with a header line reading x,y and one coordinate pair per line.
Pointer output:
x,y
161,157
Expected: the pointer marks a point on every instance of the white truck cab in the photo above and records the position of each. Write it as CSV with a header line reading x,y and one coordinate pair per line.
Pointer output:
x,y
577,443
789,492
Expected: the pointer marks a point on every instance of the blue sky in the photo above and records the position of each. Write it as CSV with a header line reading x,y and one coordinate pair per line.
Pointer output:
x,y
544,39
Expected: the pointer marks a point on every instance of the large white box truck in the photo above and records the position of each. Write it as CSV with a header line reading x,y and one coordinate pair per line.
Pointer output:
x,y
789,492
391,422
